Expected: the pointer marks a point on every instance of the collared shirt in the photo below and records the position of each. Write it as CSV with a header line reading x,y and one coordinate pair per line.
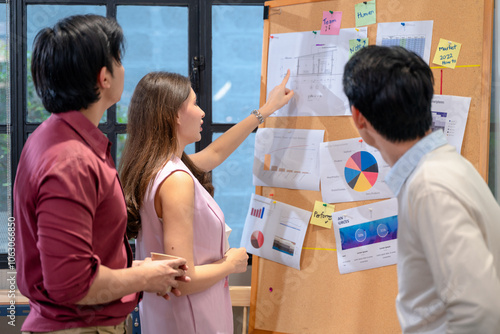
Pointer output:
x,y
70,218
448,242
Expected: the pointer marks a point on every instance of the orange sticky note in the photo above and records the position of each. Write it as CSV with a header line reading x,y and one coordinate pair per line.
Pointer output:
x,y
322,214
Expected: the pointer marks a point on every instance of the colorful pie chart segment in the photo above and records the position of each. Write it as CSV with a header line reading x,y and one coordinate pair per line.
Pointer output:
x,y
257,239
361,171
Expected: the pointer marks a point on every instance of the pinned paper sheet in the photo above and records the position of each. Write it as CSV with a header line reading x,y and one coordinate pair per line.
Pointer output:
x,y
447,53
331,23
365,13
322,214
357,44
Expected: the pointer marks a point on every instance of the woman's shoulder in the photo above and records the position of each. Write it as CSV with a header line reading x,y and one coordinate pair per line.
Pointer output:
x,y
176,164
172,166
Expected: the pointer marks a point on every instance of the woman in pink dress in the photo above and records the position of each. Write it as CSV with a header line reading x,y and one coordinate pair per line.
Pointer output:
x,y
170,204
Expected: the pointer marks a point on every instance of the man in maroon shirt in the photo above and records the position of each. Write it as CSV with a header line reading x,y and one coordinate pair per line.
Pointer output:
x,y
73,259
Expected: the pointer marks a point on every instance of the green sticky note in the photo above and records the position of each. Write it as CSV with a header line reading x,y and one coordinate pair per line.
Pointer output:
x,y
365,13
357,44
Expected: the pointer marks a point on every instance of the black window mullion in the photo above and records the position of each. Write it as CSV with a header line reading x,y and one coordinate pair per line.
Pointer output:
x,y
18,80
205,93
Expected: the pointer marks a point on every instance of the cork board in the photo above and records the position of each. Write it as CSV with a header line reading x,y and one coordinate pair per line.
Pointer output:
x,y
317,299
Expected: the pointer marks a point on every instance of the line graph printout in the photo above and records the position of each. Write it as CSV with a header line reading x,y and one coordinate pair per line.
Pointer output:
x,y
449,113
316,63
366,236
278,233
287,158
351,170
415,36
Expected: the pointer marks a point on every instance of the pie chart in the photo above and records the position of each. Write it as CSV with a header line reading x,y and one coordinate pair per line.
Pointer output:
x,y
361,171
257,239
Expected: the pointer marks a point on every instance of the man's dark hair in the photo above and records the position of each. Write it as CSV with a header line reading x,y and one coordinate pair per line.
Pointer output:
x,y
66,60
392,88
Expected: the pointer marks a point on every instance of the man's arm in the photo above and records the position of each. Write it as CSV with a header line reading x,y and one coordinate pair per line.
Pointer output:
x,y
150,276
72,272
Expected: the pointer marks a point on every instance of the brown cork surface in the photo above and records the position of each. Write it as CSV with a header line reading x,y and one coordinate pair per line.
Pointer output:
x,y
317,299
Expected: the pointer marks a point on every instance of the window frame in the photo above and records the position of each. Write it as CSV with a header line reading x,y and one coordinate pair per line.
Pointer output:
x,y
199,46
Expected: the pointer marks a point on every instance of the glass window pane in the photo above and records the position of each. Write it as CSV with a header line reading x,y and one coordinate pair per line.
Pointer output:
x,y
233,186
120,143
42,16
5,145
237,53
3,64
5,188
157,40
190,149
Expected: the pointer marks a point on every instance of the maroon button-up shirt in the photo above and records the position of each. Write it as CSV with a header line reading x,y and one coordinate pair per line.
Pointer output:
x,y
70,218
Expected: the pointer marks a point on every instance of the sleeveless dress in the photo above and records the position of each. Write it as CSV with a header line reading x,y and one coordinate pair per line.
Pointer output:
x,y
206,312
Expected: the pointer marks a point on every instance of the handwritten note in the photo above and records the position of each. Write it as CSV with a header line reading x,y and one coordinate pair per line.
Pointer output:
x,y
447,53
322,214
357,44
331,23
365,13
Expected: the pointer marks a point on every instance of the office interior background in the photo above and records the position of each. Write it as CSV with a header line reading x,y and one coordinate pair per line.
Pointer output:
x,y
218,43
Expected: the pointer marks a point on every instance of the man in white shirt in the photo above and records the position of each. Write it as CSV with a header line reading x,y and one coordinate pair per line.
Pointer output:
x,y
449,222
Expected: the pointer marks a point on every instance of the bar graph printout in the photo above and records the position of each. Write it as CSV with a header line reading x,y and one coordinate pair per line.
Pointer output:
x,y
275,230
351,170
415,36
287,158
316,63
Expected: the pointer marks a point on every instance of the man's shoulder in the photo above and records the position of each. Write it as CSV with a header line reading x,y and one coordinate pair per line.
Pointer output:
x,y
443,169
443,159
54,147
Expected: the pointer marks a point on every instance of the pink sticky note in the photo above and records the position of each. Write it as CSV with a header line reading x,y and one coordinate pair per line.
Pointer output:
x,y
331,23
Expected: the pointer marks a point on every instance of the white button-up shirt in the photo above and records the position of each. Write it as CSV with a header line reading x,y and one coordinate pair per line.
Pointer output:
x,y
448,242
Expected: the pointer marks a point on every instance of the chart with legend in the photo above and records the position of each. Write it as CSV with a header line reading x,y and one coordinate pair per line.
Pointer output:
x,y
351,170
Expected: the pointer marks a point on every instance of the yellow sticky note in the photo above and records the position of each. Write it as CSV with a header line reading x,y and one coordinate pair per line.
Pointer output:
x,y
322,214
447,53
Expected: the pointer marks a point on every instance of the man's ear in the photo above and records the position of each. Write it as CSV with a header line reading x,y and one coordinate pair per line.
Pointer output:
x,y
358,118
103,78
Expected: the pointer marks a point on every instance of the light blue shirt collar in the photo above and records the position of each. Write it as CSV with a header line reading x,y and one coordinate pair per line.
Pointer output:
x,y
406,164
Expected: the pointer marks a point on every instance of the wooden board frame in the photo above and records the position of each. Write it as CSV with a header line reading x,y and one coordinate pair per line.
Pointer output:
x,y
318,299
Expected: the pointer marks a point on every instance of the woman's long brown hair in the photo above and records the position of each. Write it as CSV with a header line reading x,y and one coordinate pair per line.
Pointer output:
x,y
152,139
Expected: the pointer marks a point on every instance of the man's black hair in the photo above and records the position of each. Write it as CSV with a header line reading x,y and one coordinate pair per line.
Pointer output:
x,y
67,58
392,88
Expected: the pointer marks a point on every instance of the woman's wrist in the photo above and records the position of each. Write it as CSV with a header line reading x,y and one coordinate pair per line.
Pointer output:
x,y
266,111
258,115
